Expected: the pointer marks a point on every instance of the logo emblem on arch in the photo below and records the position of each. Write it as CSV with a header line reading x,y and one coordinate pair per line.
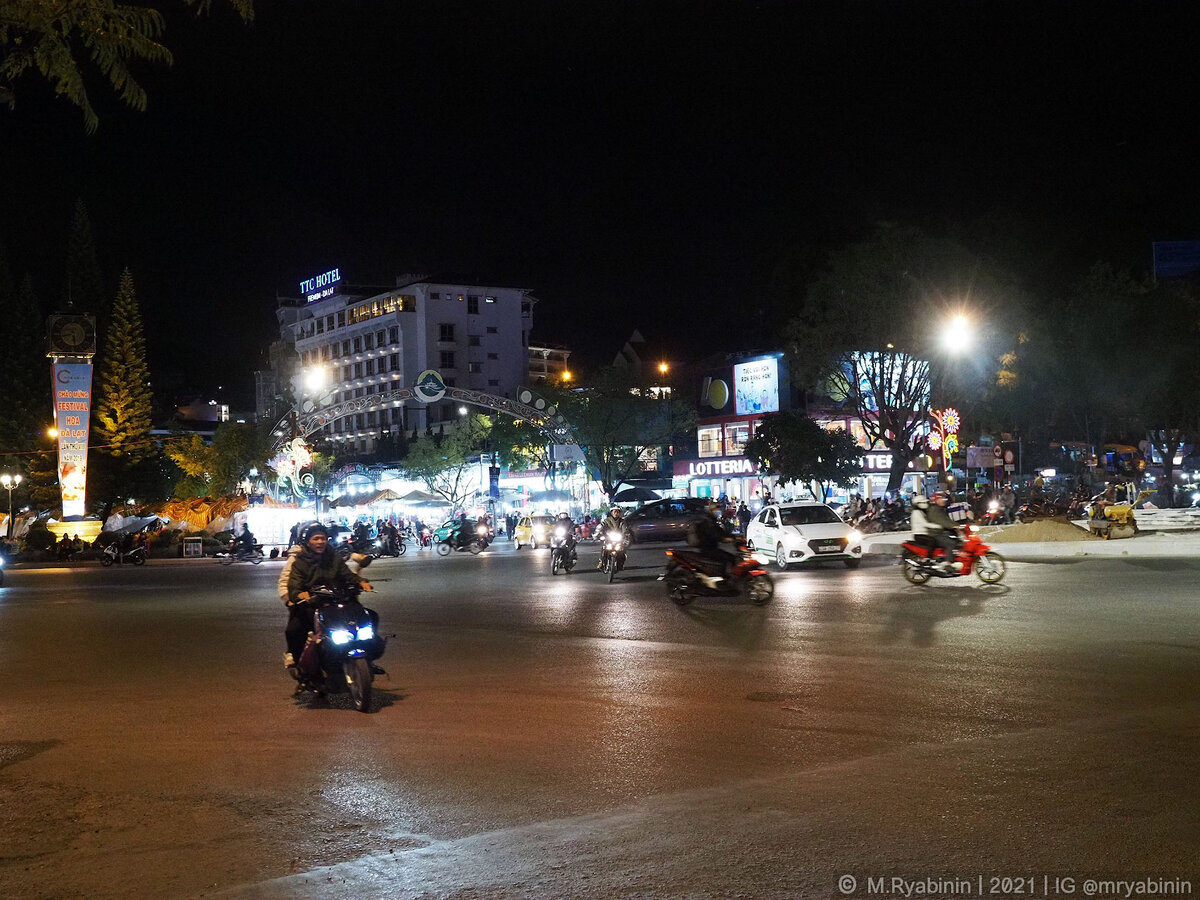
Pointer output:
x,y
429,387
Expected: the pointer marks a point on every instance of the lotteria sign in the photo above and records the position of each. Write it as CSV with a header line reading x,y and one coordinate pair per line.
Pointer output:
x,y
72,415
713,468
320,286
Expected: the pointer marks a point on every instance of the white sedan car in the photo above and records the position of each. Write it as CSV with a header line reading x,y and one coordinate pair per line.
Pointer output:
x,y
803,531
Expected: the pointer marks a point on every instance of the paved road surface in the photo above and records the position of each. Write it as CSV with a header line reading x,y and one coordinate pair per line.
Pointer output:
x,y
562,737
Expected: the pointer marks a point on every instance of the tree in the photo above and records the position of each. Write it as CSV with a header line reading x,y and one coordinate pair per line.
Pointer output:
x,y
864,330
443,462
619,421
53,38
795,448
121,413
218,468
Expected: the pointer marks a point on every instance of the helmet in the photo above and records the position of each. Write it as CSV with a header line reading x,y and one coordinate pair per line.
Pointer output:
x,y
563,515
941,495
615,512
920,501
311,529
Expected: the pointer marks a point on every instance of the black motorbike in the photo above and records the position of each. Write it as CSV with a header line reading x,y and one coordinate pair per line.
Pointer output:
x,y
239,552
385,547
363,546
342,648
563,555
114,554
612,557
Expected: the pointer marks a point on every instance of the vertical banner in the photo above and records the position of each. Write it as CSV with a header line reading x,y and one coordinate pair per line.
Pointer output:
x,y
72,418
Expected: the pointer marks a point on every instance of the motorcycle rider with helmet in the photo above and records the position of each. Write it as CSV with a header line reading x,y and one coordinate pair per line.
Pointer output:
x,y
614,521
713,541
564,521
932,519
310,565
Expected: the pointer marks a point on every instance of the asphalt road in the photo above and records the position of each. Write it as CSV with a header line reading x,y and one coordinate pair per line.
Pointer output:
x,y
546,736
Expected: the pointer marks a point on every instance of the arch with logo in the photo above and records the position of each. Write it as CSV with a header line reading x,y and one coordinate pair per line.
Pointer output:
x,y
528,407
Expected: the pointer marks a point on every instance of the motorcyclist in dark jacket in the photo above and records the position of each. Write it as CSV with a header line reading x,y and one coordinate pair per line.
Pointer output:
x,y
311,565
706,535
932,519
614,521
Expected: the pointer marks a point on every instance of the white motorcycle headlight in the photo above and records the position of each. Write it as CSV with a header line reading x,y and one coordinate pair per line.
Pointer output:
x,y
341,636
366,633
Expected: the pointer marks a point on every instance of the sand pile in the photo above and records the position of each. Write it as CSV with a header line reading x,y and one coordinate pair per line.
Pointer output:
x,y
1040,531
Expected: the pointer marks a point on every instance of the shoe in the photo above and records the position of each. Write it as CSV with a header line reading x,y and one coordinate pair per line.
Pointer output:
x,y
288,661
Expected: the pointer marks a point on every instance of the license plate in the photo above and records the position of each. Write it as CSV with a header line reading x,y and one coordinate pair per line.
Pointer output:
x,y
833,549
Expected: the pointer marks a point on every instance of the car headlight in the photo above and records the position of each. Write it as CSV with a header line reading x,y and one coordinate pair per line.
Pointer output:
x,y
366,633
341,636
853,537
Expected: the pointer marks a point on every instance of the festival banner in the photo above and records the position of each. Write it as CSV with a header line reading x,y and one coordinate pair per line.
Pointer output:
x,y
72,414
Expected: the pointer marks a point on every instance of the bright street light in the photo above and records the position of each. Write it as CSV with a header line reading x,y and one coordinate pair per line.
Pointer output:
x,y
314,378
9,482
956,335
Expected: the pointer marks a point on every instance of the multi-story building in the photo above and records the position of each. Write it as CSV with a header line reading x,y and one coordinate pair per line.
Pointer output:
x,y
548,364
475,336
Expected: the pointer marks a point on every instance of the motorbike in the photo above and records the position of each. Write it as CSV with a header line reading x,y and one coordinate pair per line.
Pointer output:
x,y
240,553
339,654
384,547
994,515
563,555
114,554
612,557
446,543
921,559
686,576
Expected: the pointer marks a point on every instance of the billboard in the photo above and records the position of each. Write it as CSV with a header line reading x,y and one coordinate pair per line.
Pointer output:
x,y
1175,258
756,386
72,418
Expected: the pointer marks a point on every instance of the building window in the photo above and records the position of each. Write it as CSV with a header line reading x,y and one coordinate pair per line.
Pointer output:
x,y
447,359
435,295
493,356
491,329
369,341
380,337
473,340
345,348
393,334
370,367
320,326
473,304
394,359
358,345
347,373
342,319
710,441
358,370
329,323
446,331
736,436
474,368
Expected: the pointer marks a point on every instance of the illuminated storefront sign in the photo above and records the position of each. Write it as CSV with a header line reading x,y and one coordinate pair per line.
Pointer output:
x,y
321,286
882,462
756,387
72,415
711,468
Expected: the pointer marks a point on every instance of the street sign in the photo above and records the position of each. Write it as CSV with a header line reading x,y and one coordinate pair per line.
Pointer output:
x,y
1009,459
998,451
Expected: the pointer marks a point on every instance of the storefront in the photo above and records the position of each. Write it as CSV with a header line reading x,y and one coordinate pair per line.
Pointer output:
x,y
736,477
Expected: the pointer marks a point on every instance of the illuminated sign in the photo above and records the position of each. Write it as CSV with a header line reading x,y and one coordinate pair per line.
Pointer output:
x,y
430,386
756,387
72,415
707,468
321,286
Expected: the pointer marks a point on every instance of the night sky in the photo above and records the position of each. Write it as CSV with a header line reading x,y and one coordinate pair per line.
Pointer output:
x,y
635,164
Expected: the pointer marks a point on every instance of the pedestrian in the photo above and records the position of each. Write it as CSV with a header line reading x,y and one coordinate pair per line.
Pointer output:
x,y
743,516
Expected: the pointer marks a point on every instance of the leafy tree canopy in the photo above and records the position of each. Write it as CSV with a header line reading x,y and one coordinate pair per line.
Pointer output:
x,y
54,38
442,462
795,448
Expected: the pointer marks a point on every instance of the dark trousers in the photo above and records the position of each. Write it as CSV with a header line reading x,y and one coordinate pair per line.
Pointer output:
x,y
300,623
948,542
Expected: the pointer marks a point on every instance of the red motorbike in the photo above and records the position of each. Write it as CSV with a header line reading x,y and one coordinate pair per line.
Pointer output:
x,y
689,574
921,559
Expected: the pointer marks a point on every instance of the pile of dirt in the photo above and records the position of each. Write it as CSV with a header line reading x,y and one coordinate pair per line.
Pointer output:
x,y
1041,531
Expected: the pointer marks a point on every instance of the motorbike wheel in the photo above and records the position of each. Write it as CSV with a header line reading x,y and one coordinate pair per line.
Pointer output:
x,y
476,547
358,677
760,589
990,567
256,559
401,549
106,561
914,571
139,560
554,563
444,548
612,571
677,585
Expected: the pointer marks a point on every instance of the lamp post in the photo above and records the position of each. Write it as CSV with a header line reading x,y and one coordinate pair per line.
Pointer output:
x,y
9,482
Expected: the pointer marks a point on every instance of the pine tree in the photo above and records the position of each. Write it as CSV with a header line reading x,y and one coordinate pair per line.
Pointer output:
x,y
121,411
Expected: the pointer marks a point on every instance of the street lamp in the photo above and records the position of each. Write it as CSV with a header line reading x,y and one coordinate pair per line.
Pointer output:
x,y
9,482
956,334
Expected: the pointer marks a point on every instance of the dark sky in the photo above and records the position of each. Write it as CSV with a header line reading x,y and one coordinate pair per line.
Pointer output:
x,y
636,164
